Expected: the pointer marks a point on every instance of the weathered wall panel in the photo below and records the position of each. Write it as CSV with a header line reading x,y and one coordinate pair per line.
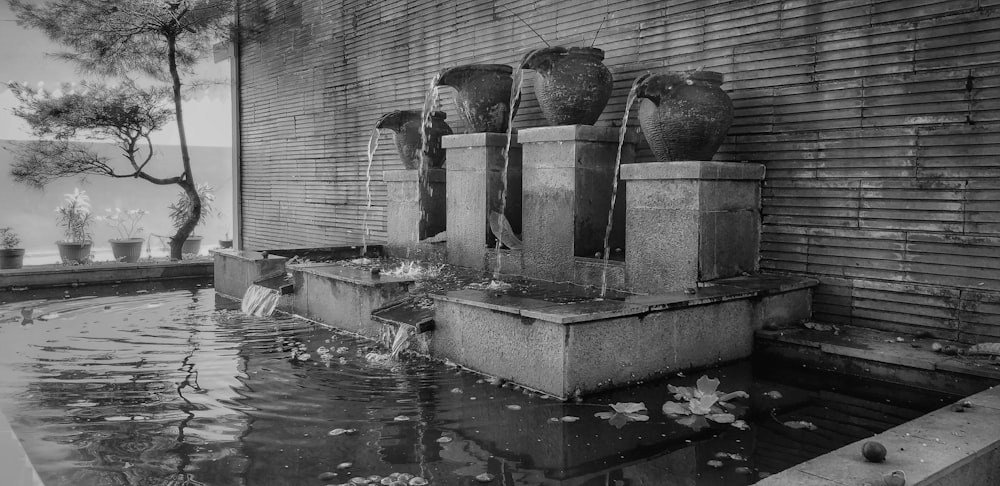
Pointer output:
x,y
878,121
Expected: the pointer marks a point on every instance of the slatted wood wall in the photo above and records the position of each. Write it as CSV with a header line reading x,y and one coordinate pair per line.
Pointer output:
x,y
878,123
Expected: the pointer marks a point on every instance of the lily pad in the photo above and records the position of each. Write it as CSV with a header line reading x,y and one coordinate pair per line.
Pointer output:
x,y
800,424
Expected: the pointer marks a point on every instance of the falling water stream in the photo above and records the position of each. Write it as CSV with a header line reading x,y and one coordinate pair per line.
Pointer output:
x,y
632,94
372,147
515,97
431,104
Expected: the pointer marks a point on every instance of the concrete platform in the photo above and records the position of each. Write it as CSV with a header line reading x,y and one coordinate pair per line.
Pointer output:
x,y
41,276
882,355
566,349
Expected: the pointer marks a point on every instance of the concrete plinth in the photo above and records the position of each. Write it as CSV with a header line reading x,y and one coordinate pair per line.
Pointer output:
x,y
568,177
414,210
237,270
475,165
344,297
584,347
690,222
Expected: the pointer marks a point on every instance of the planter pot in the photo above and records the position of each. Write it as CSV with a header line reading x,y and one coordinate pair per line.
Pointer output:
x,y
74,253
405,126
572,85
684,116
11,258
128,250
225,243
191,245
482,94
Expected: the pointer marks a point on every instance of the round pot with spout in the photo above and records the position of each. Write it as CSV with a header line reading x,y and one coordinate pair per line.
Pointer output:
x,y
684,115
572,84
405,126
482,94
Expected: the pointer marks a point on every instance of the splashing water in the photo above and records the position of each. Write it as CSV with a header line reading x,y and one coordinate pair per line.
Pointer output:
x,y
515,99
413,269
259,301
632,95
397,340
372,147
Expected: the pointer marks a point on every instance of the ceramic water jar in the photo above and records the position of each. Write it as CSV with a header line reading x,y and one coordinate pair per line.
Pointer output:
x,y
684,115
405,126
572,84
482,94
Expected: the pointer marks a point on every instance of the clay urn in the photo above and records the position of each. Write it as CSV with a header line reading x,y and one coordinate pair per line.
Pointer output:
x,y
482,94
684,115
405,126
572,84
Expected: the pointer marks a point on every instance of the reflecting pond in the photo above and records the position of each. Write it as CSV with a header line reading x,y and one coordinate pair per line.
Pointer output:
x,y
141,385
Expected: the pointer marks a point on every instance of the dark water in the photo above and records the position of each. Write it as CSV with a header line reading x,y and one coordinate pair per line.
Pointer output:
x,y
169,387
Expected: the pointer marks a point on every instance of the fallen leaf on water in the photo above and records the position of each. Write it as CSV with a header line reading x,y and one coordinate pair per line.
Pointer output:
x,y
714,463
800,424
570,418
775,394
513,407
401,418
443,440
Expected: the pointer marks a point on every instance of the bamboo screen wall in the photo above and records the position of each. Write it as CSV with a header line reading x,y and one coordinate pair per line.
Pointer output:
x,y
877,122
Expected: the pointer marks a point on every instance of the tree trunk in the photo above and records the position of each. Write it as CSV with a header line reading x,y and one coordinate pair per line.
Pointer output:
x,y
177,241
187,179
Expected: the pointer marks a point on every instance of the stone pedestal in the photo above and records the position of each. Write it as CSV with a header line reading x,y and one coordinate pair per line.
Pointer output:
x,y
568,176
690,222
414,211
474,168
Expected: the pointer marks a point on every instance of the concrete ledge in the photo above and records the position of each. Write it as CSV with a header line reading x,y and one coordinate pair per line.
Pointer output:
x,y
585,133
14,461
693,169
537,308
943,448
37,276
478,139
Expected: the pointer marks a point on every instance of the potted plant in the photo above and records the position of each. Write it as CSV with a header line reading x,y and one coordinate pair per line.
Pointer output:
x,y
11,257
75,218
127,247
180,210
227,242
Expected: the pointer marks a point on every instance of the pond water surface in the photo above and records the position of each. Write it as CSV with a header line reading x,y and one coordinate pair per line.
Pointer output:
x,y
132,385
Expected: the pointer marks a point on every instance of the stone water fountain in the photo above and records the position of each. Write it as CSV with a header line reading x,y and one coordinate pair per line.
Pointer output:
x,y
680,257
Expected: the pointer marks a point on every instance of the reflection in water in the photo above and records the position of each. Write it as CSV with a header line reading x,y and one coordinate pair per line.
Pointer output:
x,y
166,388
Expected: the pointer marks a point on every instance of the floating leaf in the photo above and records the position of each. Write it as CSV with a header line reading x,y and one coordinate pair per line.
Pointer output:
x,y
484,478
570,418
703,405
401,418
513,407
443,439
674,408
707,386
714,463
456,390
623,413
740,424
344,465
800,424
336,432
733,395
775,394
722,418
696,422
